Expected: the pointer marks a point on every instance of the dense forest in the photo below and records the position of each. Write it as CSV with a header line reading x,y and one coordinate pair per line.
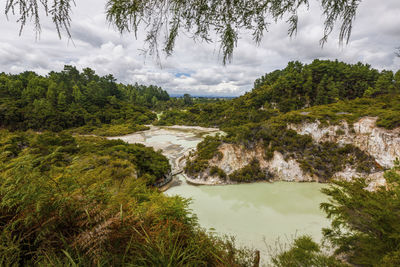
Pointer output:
x,y
71,199
70,99
295,87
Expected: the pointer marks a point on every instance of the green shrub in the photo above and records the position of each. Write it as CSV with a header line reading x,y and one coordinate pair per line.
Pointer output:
x,y
86,201
214,170
365,225
304,252
206,150
249,173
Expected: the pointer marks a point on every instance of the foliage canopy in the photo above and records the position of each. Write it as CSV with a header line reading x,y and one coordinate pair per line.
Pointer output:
x,y
70,99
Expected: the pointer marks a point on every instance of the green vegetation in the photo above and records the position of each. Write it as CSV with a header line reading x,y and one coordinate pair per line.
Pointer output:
x,y
222,114
365,225
319,83
70,99
320,159
298,87
185,102
250,173
304,252
328,91
85,201
364,231
206,150
214,170
385,107
110,129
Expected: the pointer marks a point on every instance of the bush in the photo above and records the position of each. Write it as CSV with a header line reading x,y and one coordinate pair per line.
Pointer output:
x,y
304,252
206,150
85,201
251,172
214,170
365,225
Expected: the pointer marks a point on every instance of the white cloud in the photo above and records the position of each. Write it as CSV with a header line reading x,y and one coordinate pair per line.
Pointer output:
x,y
97,45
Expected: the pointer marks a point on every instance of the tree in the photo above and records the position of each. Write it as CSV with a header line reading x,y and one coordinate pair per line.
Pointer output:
x,y
51,94
365,225
200,18
76,93
154,101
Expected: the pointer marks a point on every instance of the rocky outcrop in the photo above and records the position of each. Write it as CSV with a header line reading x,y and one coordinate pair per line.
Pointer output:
x,y
374,179
236,157
382,144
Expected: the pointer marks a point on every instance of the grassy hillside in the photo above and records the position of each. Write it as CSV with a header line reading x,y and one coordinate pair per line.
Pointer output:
x,y
385,107
322,159
86,201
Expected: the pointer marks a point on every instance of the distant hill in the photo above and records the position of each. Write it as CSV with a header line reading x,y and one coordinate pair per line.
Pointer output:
x,y
295,87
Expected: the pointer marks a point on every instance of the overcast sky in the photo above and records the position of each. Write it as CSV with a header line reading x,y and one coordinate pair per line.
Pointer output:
x,y
196,68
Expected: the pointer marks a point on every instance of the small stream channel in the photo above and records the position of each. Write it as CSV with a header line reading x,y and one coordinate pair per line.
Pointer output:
x,y
259,215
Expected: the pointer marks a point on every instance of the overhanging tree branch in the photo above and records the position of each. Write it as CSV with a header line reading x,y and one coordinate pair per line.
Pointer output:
x,y
58,10
202,19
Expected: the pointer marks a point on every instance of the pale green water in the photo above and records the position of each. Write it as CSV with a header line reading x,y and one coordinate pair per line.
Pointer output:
x,y
256,214
260,213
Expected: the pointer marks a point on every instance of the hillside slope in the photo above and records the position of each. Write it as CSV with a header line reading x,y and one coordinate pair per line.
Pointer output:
x,y
359,137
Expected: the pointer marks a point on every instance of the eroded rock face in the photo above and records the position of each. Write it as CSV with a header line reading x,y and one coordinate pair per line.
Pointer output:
x,y
236,157
382,144
288,170
374,180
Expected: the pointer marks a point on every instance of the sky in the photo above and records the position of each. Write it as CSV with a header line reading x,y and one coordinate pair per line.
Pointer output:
x,y
196,67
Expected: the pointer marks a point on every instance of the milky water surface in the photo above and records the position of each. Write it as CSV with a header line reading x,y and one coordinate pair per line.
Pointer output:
x,y
256,214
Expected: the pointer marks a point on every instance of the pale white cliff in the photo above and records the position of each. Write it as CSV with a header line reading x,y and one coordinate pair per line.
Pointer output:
x,y
382,144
